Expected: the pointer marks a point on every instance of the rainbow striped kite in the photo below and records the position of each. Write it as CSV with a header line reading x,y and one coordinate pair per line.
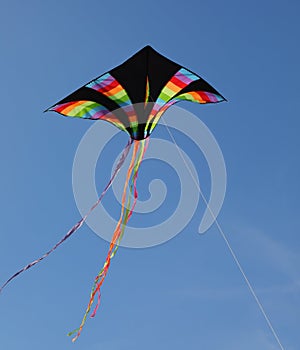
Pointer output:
x,y
133,97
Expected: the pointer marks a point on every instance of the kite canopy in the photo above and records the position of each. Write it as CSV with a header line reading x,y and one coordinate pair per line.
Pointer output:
x,y
134,95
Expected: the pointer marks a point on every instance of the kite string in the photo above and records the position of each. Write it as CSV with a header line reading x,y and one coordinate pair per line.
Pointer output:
x,y
80,222
131,179
258,302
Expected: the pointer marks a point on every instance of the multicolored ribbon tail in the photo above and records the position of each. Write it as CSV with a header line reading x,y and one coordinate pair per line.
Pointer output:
x,y
81,221
129,199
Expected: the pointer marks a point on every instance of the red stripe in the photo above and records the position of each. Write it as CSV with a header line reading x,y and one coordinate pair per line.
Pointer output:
x,y
109,87
203,95
178,82
60,108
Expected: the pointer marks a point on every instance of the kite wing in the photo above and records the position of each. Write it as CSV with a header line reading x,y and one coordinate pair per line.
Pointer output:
x,y
134,95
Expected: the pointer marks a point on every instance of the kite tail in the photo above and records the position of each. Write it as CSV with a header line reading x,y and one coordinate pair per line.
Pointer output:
x,y
80,222
139,149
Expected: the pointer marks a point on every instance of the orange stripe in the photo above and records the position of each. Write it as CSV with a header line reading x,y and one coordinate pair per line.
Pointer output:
x,y
72,106
113,91
173,86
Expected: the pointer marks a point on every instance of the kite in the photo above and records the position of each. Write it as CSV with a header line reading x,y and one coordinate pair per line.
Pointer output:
x,y
133,97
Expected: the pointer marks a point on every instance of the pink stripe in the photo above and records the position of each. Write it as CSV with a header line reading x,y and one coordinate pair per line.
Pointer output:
x,y
183,78
212,97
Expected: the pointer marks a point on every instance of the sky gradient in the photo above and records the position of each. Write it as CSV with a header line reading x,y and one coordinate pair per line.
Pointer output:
x,y
187,292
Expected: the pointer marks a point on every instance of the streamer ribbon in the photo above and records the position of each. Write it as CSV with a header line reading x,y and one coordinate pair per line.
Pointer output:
x,y
80,222
129,199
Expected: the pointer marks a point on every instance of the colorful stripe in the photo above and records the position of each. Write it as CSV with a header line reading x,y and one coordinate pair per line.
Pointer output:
x,y
156,118
88,110
81,109
170,94
179,81
199,97
110,87
147,94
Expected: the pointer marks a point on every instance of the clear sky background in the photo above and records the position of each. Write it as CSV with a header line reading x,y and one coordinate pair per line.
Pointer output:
x,y
187,292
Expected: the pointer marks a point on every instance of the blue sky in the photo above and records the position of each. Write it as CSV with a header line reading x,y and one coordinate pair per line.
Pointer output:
x,y
188,291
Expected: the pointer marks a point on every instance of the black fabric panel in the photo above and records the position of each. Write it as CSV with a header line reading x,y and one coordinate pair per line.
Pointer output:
x,y
132,75
88,94
140,132
160,71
